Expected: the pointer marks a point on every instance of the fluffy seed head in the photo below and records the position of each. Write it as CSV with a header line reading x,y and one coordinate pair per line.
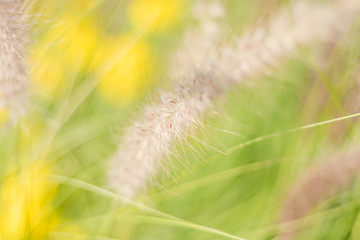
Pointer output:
x,y
14,23
148,142
319,183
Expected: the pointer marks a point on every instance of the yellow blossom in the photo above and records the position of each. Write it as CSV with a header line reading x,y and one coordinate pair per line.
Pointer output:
x,y
131,73
158,15
25,203
69,47
4,116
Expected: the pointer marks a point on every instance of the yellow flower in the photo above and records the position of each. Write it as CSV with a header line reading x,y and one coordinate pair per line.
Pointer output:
x,y
4,116
25,204
158,15
69,47
131,73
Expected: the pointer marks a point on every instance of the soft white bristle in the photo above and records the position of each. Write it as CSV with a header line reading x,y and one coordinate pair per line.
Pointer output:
x,y
14,23
149,140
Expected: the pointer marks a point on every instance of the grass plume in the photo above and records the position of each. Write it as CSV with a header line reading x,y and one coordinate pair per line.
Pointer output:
x,y
178,112
319,183
14,35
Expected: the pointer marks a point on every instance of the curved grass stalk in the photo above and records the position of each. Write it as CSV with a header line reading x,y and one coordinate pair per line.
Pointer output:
x,y
278,134
166,218
216,177
271,136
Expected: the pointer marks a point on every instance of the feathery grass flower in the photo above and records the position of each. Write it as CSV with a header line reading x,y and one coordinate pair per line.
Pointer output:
x,y
319,183
14,35
178,112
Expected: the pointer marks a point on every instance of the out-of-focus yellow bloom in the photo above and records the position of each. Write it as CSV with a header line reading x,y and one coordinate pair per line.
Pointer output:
x,y
130,73
81,4
69,47
25,203
77,49
157,14
4,116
